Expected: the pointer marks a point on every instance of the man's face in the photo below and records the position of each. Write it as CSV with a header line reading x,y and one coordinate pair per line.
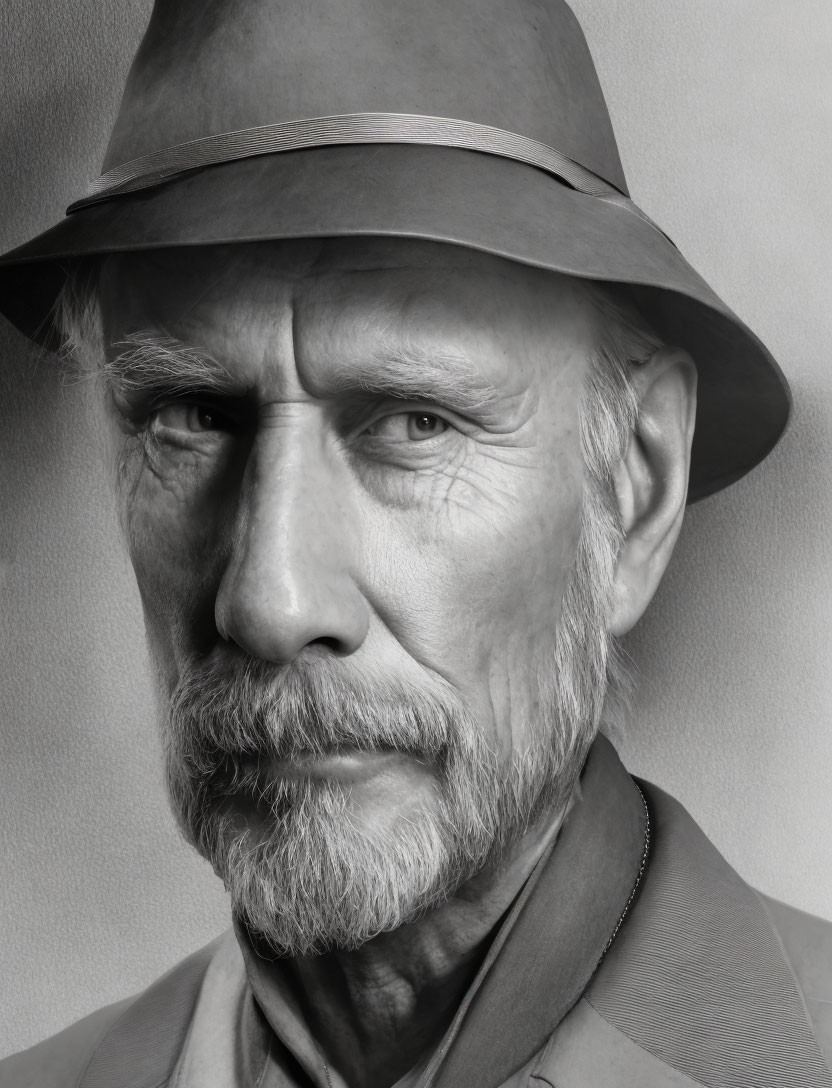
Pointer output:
x,y
351,481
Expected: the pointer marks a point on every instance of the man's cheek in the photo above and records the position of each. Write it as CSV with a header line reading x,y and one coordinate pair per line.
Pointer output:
x,y
177,545
510,590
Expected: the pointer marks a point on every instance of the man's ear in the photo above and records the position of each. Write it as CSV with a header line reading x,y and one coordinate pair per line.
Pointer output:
x,y
651,481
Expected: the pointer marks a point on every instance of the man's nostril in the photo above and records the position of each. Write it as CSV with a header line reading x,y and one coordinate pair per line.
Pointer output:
x,y
332,644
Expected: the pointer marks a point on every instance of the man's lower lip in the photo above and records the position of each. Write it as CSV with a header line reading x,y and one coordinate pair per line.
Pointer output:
x,y
349,766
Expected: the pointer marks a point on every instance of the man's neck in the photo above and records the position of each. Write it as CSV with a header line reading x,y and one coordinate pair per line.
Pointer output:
x,y
376,1011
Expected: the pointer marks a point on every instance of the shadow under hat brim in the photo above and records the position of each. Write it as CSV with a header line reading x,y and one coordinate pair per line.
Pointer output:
x,y
447,195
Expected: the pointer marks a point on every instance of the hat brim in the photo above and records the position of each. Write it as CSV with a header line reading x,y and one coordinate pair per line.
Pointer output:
x,y
446,195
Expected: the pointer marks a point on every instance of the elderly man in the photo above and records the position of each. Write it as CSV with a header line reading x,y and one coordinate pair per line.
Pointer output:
x,y
402,388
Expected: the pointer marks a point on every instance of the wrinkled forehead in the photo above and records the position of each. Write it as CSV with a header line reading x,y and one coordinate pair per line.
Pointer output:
x,y
411,292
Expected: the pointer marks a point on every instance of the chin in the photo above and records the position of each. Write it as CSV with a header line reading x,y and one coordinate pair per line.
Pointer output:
x,y
309,867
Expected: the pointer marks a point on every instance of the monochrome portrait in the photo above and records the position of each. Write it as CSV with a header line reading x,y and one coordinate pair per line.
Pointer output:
x,y
414,561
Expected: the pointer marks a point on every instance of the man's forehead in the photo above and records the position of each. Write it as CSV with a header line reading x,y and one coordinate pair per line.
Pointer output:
x,y
351,302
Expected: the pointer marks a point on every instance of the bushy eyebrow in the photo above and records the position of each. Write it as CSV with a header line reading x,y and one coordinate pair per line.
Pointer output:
x,y
147,362
416,373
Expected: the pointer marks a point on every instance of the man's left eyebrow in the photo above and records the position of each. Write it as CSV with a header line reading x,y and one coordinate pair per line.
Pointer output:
x,y
148,362
439,376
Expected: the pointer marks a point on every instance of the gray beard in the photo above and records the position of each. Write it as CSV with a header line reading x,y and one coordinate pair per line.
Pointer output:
x,y
308,874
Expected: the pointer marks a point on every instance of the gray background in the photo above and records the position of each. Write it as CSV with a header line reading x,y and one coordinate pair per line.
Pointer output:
x,y
722,109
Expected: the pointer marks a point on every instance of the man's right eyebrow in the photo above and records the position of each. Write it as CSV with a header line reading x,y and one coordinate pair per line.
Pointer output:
x,y
148,363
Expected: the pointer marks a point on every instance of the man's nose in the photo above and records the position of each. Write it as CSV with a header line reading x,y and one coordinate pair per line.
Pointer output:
x,y
290,580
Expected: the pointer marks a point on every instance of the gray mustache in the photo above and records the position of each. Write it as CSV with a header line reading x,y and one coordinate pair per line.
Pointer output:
x,y
229,710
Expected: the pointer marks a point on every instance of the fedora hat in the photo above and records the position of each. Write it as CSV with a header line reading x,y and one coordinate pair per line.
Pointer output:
x,y
479,123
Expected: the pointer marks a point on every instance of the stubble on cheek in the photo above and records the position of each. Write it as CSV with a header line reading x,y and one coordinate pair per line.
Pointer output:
x,y
514,596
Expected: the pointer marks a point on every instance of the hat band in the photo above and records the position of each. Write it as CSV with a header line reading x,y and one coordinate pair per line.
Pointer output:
x,y
351,128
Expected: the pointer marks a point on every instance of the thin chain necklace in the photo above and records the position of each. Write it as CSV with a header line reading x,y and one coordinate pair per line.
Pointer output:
x,y
645,853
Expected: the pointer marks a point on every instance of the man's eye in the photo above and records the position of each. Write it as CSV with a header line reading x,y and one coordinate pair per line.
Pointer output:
x,y
192,418
409,426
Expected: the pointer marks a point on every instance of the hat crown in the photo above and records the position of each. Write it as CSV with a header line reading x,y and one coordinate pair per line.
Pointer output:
x,y
212,66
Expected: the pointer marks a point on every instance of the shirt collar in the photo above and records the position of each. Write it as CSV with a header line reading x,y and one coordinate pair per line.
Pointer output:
x,y
541,958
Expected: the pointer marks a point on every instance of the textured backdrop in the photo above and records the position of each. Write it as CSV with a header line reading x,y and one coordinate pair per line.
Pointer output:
x,y
722,109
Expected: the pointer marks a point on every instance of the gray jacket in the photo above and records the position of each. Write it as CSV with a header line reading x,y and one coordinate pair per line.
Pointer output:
x,y
708,983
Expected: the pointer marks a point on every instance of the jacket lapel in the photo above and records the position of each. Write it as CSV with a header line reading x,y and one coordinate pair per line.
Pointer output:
x,y
695,992
140,1049
559,937
588,1052
212,1056
697,978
